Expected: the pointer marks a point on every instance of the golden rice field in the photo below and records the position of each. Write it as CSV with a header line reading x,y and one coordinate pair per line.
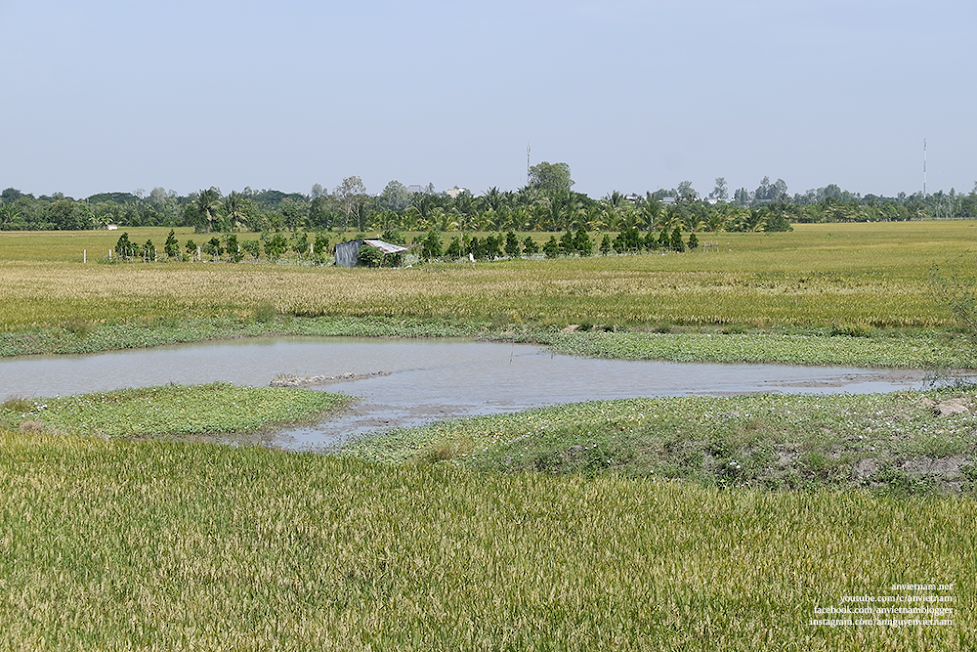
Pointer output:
x,y
166,546
818,275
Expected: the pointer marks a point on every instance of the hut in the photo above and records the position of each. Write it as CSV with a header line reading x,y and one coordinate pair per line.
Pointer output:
x,y
347,252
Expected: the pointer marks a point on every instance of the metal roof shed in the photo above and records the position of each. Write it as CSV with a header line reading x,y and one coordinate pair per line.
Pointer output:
x,y
346,252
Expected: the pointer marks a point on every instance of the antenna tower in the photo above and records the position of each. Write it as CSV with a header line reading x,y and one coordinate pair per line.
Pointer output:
x,y
924,168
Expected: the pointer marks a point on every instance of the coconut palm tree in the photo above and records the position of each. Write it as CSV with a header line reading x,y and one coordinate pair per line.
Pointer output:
x,y
208,207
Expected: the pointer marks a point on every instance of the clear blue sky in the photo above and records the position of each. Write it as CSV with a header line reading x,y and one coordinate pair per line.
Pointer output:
x,y
115,95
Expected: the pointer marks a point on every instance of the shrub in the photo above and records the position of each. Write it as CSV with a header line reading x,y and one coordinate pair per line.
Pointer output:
x,y
299,243
552,248
233,248
124,248
213,248
431,246
512,248
454,248
368,256
529,246
651,241
320,248
275,246
582,243
171,247
567,244
492,247
252,247
677,243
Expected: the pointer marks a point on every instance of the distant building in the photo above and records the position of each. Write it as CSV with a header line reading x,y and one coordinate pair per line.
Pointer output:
x,y
454,192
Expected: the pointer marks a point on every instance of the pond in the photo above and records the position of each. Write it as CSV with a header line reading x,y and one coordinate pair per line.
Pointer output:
x,y
414,382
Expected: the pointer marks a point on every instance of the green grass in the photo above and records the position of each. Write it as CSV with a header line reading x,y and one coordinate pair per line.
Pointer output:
x,y
917,348
880,442
175,546
169,411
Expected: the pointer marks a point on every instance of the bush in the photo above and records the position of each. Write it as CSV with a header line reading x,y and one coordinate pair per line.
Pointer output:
x,y
275,246
320,248
233,248
124,248
252,247
454,248
628,241
368,256
512,248
431,246
213,248
299,243
651,241
529,246
394,236
492,247
677,243
552,248
567,244
171,247
582,243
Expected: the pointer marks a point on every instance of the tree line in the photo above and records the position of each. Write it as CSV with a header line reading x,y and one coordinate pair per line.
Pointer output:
x,y
547,203
302,247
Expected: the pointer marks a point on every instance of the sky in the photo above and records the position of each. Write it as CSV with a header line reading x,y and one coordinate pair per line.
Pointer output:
x,y
120,95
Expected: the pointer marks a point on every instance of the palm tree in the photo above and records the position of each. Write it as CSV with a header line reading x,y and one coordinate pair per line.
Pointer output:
x,y
208,207
236,209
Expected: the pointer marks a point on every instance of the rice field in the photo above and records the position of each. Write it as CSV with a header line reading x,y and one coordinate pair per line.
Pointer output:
x,y
860,275
676,524
126,545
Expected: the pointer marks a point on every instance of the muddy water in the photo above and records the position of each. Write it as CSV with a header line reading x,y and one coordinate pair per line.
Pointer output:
x,y
428,379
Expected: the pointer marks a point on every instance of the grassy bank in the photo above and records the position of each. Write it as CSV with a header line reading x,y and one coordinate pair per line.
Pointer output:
x,y
166,546
915,442
902,348
169,411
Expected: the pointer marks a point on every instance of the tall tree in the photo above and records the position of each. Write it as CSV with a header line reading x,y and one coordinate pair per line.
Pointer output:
x,y
720,192
207,210
395,196
351,193
552,179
